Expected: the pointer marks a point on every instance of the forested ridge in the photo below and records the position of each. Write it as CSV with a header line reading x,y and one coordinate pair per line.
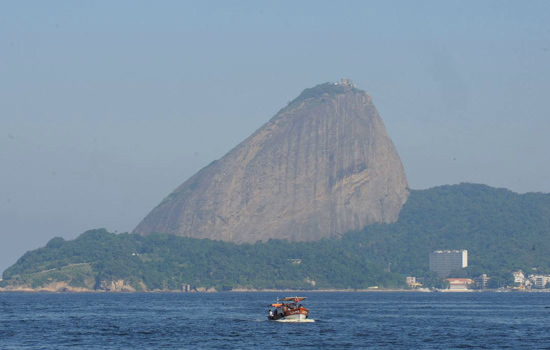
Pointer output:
x,y
503,231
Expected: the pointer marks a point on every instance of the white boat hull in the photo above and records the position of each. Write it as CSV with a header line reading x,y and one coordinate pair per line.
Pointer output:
x,y
296,317
286,320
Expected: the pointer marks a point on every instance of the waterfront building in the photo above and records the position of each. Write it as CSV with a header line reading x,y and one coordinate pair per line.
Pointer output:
x,y
519,277
481,281
459,284
445,261
540,281
411,282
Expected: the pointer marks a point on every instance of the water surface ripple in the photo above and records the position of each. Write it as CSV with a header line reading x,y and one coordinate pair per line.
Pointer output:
x,y
238,321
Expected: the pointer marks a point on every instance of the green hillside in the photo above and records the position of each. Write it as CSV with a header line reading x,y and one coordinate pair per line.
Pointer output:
x,y
163,261
502,231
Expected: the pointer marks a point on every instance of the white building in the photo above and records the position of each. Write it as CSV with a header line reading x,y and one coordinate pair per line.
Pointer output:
x,y
459,284
445,261
539,281
411,282
519,277
481,281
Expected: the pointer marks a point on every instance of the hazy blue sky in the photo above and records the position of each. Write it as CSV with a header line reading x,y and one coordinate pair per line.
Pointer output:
x,y
106,107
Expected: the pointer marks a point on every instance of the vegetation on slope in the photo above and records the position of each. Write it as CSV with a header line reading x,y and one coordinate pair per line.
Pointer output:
x,y
502,231
163,261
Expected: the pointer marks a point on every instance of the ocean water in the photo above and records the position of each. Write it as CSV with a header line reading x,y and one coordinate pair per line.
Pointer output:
x,y
238,321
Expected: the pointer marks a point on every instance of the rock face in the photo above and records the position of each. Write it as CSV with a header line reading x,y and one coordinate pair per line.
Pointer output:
x,y
322,166
113,286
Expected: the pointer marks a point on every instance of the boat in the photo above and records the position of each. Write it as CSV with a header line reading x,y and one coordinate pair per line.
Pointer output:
x,y
289,310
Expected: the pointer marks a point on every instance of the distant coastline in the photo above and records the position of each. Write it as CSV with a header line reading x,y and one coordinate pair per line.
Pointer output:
x,y
68,289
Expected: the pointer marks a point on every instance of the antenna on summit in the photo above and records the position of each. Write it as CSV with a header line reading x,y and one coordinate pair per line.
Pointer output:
x,y
346,82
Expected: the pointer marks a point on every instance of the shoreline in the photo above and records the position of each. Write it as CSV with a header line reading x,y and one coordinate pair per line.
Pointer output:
x,y
75,290
238,290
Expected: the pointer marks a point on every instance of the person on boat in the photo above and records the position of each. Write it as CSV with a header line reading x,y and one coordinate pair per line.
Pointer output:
x,y
271,313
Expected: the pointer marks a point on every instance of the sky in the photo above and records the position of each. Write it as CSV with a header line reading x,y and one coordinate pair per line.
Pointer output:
x,y
106,107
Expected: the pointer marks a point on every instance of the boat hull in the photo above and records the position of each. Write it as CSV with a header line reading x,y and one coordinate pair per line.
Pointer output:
x,y
294,318
292,315
296,314
285,320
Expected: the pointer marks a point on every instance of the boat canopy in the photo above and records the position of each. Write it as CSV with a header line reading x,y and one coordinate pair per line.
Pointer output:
x,y
294,299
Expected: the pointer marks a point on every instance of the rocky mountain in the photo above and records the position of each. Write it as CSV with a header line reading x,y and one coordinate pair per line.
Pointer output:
x,y
503,232
322,166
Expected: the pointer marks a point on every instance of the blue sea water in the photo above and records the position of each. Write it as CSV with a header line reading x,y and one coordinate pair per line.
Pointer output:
x,y
238,321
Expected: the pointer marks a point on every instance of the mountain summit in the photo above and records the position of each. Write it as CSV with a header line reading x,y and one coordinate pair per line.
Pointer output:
x,y
322,166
